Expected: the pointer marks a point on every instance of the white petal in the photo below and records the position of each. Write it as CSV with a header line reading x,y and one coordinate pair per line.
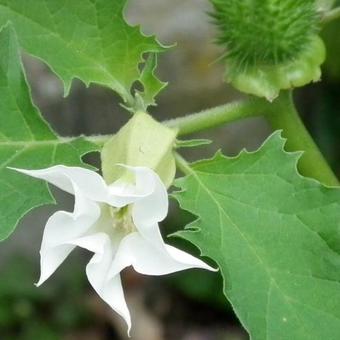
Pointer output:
x,y
90,184
143,186
61,228
150,260
123,193
94,242
108,288
64,177
149,195
154,207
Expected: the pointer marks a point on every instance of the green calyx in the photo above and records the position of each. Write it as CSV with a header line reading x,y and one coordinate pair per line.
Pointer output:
x,y
267,80
141,142
265,39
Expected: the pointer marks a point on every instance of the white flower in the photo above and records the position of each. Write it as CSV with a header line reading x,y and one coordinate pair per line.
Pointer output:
x,y
117,222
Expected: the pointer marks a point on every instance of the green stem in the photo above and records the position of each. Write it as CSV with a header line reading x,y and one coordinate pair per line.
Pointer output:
x,y
331,15
100,140
281,114
206,119
284,115
217,116
182,164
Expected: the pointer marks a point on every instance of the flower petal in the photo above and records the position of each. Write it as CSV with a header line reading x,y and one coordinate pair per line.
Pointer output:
x,y
64,178
90,183
61,228
149,195
150,260
154,207
108,288
143,185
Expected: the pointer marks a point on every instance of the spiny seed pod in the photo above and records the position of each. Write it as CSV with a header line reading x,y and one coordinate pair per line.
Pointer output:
x,y
270,44
265,31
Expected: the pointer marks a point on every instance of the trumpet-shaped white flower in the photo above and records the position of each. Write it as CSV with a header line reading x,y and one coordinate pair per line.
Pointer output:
x,y
117,222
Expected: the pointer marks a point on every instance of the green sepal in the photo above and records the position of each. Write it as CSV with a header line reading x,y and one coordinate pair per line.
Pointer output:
x,y
267,81
141,142
192,143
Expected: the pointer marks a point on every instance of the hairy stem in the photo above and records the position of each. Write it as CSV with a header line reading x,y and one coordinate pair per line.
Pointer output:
x,y
182,164
217,116
281,114
99,140
284,115
331,15
206,119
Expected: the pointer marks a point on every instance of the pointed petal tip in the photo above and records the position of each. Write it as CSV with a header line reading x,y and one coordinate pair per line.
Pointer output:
x,y
203,265
187,259
40,281
127,319
212,269
22,170
15,169
129,330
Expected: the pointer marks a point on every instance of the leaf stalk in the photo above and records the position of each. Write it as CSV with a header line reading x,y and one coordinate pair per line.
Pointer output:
x,y
182,164
217,116
284,116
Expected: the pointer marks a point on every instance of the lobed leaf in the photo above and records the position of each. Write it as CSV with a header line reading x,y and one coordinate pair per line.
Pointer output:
x,y
85,39
275,236
26,141
152,86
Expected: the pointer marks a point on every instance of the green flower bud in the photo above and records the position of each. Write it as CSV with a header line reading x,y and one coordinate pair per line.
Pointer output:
x,y
141,142
270,44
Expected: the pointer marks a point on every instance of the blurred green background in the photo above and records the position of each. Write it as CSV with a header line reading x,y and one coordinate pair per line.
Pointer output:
x,y
187,305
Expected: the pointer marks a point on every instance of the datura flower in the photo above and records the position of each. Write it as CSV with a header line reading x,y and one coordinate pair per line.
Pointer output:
x,y
117,222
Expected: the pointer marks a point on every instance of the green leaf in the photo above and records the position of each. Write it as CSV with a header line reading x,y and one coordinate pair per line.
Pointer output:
x,y
26,141
275,236
84,39
151,84
141,142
